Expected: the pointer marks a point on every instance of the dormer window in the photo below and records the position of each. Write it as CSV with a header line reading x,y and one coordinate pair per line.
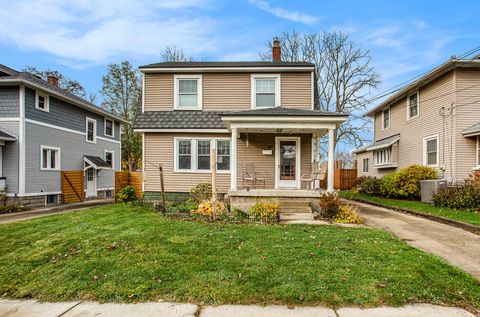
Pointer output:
x,y
265,91
188,92
42,102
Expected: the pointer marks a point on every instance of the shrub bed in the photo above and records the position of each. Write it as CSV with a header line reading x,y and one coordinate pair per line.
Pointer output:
x,y
459,197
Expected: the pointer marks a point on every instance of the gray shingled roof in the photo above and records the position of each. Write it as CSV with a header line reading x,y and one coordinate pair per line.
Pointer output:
x,y
197,119
474,129
6,137
185,119
226,64
40,82
284,111
97,161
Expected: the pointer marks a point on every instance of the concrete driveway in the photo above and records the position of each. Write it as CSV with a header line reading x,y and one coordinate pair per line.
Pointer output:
x,y
457,246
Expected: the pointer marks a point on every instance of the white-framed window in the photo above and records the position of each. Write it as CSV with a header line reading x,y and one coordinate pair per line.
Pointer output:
x,y
365,165
109,127
188,92
383,156
195,154
431,151
223,155
265,90
91,128
413,106
42,102
49,158
386,118
109,158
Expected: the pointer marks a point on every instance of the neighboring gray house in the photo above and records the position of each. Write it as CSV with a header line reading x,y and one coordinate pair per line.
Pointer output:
x,y
45,130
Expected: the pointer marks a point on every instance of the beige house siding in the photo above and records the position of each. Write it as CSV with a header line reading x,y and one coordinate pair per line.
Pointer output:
x,y
159,149
467,113
433,96
227,91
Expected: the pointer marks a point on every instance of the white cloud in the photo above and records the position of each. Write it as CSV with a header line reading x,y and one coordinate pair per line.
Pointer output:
x,y
283,13
96,32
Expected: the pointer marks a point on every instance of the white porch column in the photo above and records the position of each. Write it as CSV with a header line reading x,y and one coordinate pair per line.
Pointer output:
x,y
331,160
233,160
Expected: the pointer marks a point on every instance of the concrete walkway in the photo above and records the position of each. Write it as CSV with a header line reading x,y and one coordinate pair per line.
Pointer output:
x,y
32,308
58,209
457,246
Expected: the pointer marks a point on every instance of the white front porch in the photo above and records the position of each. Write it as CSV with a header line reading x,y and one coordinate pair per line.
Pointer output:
x,y
287,135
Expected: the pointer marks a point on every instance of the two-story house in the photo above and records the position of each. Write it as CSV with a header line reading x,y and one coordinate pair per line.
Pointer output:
x,y
45,130
260,113
433,121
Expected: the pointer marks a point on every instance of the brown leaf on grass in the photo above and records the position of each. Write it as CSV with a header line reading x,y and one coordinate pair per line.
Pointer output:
x,y
113,246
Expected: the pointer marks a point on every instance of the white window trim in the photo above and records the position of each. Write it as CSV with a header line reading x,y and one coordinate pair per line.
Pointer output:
x,y
94,130
418,106
47,101
477,154
253,92
113,157
105,127
389,118
59,159
428,138
176,101
387,162
365,170
193,152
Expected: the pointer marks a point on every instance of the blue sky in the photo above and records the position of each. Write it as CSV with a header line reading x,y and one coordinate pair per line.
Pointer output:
x,y
80,37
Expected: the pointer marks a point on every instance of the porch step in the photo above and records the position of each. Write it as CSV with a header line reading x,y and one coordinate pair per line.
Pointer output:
x,y
296,216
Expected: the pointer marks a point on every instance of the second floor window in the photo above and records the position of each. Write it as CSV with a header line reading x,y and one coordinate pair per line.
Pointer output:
x,y
188,92
413,106
365,165
108,127
383,156
265,91
91,130
386,118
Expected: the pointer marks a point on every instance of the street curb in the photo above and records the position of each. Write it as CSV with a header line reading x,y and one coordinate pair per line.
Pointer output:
x,y
455,223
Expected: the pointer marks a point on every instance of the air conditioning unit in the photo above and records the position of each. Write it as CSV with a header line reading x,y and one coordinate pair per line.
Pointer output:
x,y
428,188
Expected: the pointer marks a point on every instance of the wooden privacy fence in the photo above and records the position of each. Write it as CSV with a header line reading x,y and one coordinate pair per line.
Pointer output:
x,y
343,178
125,178
72,187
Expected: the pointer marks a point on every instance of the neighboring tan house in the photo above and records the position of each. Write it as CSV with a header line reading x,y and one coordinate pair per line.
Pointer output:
x,y
251,112
45,130
433,121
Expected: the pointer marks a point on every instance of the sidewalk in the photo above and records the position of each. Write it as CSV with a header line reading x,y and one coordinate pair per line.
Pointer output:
x,y
32,308
41,212
456,246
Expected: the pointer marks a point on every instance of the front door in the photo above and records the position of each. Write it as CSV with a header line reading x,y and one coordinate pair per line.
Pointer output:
x,y
287,158
91,182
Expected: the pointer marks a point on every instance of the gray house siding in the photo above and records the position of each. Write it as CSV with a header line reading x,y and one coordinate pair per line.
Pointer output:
x,y
9,101
72,149
66,115
10,157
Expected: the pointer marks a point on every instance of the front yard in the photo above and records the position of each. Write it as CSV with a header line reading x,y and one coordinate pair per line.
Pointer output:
x,y
467,216
122,253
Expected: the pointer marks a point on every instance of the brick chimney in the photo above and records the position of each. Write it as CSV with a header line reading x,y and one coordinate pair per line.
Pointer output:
x,y
276,51
52,80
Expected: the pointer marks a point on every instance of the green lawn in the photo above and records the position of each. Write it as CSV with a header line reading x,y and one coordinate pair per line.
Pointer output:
x,y
460,215
69,256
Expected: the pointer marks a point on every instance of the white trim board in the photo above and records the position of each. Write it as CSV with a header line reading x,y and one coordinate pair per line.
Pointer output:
x,y
21,142
183,130
223,69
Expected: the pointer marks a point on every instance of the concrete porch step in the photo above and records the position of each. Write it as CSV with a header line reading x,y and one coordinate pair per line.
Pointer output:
x,y
296,210
296,216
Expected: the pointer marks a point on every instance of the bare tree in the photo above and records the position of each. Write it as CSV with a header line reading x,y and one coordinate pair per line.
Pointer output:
x,y
64,82
343,76
174,54
122,95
